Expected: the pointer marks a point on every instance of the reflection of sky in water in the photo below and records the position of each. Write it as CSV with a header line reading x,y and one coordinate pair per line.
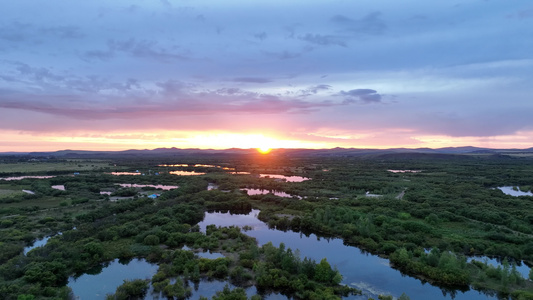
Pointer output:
x,y
207,254
522,268
24,177
404,171
368,272
125,173
262,192
97,286
227,219
361,270
185,173
508,190
40,242
288,178
37,243
106,282
157,186
209,288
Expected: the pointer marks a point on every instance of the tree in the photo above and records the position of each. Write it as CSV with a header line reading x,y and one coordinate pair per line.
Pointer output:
x,y
151,240
323,271
404,297
131,289
227,294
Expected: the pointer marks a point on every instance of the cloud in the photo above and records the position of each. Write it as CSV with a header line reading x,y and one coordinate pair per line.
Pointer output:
x,y
261,35
63,32
313,90
522,14
364,95
103,99
145,49
19,32
371,24
211,103
48,81
323,40
251,79
283,54
14,32
174,87
98,54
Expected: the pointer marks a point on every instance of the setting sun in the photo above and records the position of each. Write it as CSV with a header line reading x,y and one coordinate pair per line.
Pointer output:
x,y
264,150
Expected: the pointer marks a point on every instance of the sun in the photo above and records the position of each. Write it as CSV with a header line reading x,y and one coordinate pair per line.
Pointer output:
x,y
264,150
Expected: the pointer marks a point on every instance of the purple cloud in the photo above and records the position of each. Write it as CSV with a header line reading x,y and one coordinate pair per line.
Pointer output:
x,y
251,79
370,24
364,95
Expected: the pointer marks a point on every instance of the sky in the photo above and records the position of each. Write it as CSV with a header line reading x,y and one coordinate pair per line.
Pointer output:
x,y
145,74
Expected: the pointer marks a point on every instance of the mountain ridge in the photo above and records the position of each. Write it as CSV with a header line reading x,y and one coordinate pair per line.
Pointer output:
x,y
338,151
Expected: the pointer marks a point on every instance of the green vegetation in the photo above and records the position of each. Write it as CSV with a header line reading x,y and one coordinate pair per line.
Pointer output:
x,y
450,207
52,166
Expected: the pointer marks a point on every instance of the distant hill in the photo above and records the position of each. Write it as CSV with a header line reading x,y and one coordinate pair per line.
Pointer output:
x,y
337,152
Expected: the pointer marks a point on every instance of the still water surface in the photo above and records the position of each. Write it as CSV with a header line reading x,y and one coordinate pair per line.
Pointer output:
x,y
509,190
370,273
89,286
186,173
263,192
287,178
157,186
24,177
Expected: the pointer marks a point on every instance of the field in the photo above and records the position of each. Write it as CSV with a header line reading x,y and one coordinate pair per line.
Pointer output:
x,y
53,166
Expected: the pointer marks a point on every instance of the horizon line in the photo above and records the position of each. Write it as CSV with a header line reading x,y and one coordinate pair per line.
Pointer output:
x,y
273,149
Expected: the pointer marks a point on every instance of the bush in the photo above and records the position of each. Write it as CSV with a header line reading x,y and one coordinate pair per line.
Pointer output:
x,y
151,240
134,289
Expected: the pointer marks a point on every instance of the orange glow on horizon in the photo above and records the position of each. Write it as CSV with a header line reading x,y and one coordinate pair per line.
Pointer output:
x,y
18,141
264,150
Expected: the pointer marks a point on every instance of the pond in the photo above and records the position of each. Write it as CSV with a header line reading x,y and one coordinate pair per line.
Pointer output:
x,y
361,270
263,192
96,286
404,171
38,243
113,274
207,254
157,186
514,191
283,177
125,173
186,173
58,187
24,177
522,268
197,166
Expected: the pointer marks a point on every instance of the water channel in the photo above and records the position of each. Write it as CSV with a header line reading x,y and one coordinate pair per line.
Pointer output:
x,y
361,270
370,273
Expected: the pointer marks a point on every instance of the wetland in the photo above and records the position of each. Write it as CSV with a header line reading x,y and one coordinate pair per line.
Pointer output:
x,y
273,227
